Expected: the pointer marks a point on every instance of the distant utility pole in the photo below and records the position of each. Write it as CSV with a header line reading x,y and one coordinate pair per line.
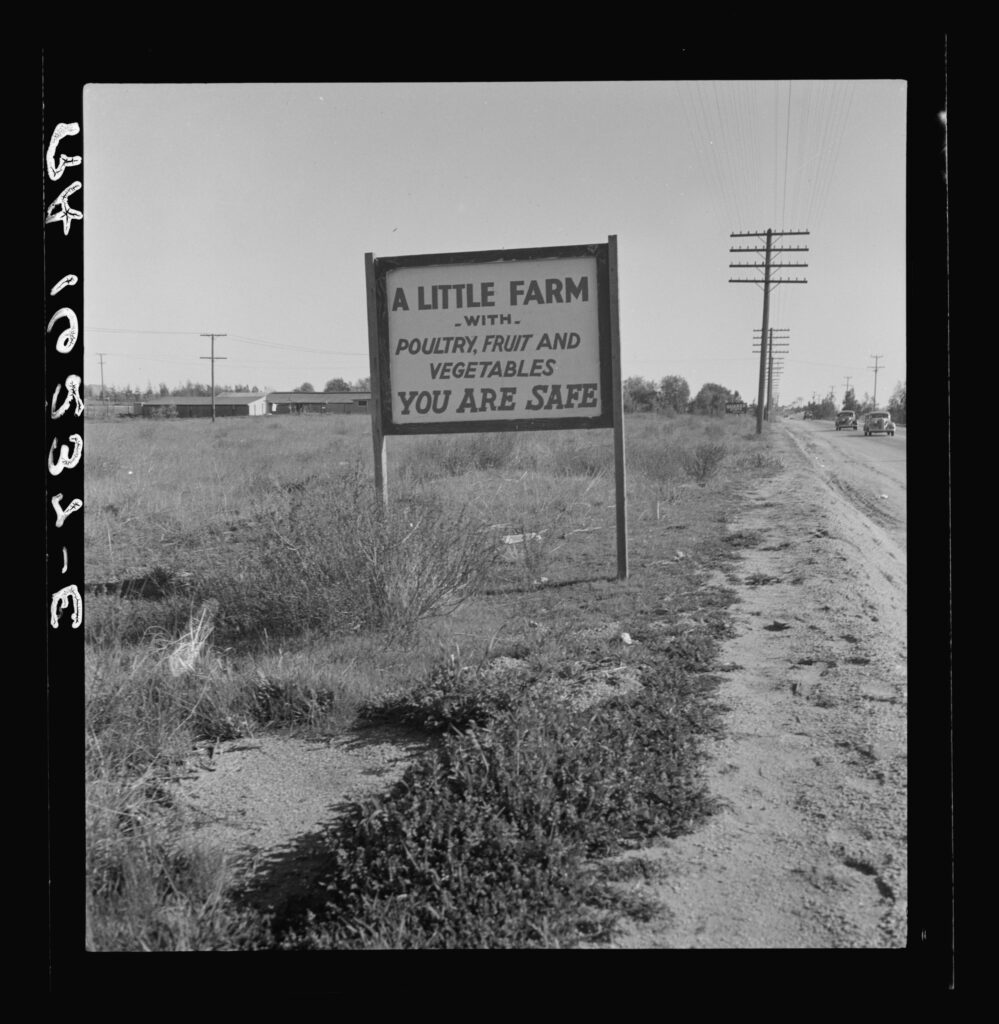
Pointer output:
x,y
875,368
776,339
213,357
768,282
101,355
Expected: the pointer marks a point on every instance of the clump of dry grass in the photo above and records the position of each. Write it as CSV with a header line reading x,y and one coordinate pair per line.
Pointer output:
x,y
184,652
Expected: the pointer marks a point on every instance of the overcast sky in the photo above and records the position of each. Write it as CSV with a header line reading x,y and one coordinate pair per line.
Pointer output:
x,y
246,210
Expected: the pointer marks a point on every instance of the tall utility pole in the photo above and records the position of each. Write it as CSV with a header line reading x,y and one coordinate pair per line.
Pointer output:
x,y
875,368
768,283
777,339
213,357
101,355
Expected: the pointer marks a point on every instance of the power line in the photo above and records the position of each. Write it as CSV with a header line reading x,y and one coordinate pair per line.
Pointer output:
x,y
837,132
126,330
295,348
238,337
787,140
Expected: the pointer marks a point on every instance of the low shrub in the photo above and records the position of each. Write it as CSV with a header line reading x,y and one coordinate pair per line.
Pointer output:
x,y
333,558
575,459
453,697
763,461
432,458
704,461
479,452
662,464
288,702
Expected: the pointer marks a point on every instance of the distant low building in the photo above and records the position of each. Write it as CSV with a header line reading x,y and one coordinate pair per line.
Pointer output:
x,y
280,402
226,404
96,409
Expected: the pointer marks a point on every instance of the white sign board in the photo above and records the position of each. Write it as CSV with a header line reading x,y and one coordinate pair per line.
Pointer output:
x,y
494,341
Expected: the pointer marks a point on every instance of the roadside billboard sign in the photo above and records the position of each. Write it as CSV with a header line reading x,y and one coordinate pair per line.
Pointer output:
x,y
496,340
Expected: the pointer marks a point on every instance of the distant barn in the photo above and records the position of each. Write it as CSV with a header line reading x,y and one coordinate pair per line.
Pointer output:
x,y
227,404
319,402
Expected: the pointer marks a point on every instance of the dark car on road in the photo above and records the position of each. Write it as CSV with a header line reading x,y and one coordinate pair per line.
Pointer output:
x,y
878,423
846,420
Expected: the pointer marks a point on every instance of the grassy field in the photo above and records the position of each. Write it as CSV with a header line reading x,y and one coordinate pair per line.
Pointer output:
x,y
240,577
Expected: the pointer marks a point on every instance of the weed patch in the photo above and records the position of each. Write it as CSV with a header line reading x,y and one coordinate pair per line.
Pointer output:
x,y
761,462
487,843
454,697
703,462
744,539
147,890
333,559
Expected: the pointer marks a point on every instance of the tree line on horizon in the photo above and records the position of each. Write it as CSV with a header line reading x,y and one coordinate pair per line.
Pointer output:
x,y
826,408
190,389
672,395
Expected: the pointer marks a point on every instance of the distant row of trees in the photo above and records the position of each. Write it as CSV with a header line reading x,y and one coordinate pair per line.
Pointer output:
x,y
336,384
189,389
672,395
827,408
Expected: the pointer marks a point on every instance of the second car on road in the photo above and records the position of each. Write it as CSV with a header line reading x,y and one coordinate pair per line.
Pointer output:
x,y
878,423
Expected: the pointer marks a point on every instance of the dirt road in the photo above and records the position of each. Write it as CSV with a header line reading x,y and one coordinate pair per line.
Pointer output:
x,y
810,848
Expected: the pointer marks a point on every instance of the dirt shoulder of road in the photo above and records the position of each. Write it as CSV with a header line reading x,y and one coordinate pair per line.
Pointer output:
x,y
809,849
